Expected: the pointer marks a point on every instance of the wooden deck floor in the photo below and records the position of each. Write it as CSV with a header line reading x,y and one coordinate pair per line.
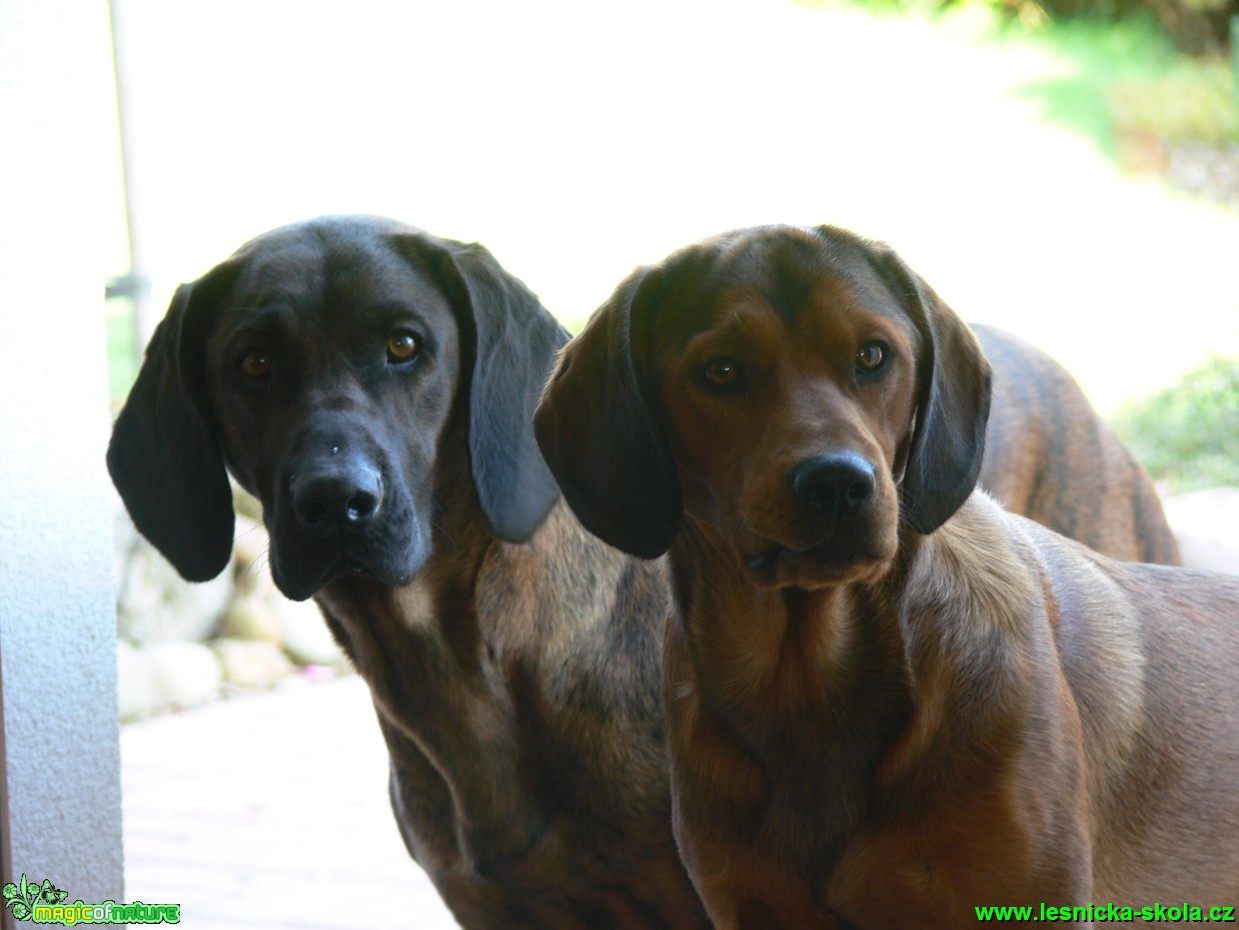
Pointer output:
x,y
270,811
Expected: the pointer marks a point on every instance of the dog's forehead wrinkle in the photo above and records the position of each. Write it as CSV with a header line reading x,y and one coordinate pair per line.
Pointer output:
x,y
279,286
279,261
337,316
351,317
254,318
274,328
806,296
400,293
738,315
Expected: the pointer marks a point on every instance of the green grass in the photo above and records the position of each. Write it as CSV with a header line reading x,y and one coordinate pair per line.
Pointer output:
x,y
1187,436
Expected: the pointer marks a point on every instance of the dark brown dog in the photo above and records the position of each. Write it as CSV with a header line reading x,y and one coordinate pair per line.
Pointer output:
x,y
1049,457
889,701
373,386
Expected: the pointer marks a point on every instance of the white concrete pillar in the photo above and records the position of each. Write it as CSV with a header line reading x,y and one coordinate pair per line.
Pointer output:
x,y
60,802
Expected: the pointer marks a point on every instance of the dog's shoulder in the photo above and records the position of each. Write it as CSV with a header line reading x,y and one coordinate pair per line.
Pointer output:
x,y
1035,579
975,565
567,581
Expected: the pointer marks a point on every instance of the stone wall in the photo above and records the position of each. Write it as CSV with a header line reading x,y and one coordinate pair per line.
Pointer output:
x,y
183,644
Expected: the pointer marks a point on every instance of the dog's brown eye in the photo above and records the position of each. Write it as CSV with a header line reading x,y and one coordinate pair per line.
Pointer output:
x,y
871,357
721,373
402,347
256,366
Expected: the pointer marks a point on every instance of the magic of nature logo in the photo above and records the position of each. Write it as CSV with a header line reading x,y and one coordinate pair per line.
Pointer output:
x,y
45,904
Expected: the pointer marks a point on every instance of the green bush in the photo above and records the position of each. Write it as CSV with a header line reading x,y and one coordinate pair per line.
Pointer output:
x,y
1187,436
1198,27
1098,57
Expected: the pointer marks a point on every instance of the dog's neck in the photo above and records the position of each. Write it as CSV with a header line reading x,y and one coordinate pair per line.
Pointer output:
x,y
775,655
845,658
841,691
472,666
480,613
811,684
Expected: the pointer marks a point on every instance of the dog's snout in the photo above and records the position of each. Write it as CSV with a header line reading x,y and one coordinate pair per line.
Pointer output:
x,y
835,483
337,497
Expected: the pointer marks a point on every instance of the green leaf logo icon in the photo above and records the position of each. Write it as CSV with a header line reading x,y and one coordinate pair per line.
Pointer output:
x,y
22,898
50,894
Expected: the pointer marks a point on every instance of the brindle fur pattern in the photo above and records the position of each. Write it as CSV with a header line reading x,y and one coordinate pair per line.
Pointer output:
x,y
513,658
1049,457
888,699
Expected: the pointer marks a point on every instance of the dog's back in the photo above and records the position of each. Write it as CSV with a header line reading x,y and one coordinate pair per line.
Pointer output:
x,y
1050,457
1151,655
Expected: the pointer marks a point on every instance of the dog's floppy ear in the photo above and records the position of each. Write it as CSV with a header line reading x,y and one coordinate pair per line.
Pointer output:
x,y
596,431
164,457
514,341
953,400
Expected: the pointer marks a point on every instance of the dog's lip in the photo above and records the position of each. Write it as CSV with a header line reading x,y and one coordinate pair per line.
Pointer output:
x,y
344,565
358,567
354,566
762,561
777,564
819,551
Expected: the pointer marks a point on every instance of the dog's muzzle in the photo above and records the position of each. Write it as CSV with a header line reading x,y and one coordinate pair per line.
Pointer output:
x,y
830,533
833,486
341,509
340,493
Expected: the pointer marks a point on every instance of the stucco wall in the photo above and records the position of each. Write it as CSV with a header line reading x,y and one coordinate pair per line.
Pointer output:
x,y
60,782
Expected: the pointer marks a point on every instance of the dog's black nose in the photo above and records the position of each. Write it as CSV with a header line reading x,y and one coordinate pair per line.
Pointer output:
x,y
345,495
837,483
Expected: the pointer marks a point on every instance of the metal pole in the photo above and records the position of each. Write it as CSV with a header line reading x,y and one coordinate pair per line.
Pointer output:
x,y
134,284
1234,54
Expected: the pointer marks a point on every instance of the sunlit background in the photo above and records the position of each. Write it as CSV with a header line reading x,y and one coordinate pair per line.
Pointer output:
x,y
579,140
1076,182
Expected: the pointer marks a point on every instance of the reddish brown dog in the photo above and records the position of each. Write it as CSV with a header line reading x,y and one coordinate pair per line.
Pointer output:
x,y
889,701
